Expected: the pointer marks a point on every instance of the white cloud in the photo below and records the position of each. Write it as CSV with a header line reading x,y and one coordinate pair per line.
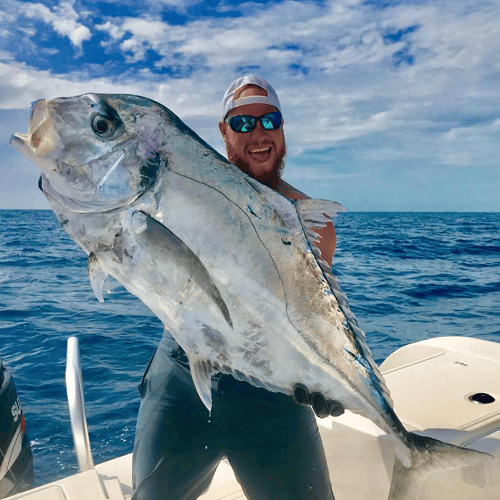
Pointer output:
x,y
20,85
180,6
470,145
63,19
145,28
114,31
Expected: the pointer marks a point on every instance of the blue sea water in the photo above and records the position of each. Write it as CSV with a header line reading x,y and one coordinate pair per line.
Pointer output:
x,y
409,277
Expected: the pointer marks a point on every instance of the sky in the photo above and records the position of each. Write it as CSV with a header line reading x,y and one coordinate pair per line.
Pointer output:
x,y
389,105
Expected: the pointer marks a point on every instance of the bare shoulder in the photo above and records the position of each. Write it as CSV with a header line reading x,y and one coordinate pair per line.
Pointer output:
x,y
289,191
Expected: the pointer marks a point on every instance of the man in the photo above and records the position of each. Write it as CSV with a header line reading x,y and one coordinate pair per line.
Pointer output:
x,y
272,443
261,152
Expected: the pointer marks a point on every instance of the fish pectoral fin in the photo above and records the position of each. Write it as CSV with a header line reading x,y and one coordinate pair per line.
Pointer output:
x,y
164,242
98,277
202,371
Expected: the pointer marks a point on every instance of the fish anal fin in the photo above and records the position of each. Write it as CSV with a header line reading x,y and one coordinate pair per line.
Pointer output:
x,y
202,371
98,277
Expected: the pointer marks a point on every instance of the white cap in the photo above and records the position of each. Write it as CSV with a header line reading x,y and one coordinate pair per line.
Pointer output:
x,y
229,102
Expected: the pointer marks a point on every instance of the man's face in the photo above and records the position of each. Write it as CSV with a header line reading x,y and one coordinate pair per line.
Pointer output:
x,y
259,153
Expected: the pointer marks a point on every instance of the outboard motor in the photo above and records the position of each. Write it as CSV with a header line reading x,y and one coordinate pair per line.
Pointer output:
x,y
16,459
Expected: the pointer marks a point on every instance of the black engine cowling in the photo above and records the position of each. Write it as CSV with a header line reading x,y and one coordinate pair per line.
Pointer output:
x,y
16,459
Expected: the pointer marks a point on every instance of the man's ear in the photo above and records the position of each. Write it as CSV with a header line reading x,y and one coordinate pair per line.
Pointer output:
x,y
223,130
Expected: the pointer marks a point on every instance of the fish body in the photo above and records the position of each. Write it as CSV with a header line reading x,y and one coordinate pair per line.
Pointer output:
x,y
229,266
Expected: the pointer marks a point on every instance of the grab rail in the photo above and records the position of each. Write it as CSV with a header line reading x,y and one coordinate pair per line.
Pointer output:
x,y
76,403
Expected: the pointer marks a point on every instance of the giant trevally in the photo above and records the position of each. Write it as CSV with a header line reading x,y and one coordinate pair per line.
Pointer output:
x,y
229,266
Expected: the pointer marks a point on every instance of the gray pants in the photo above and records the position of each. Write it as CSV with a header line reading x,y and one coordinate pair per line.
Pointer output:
x,y
272,444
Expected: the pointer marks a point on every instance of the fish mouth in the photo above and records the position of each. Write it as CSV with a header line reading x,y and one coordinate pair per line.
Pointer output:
x,y
19,142
42,138
38,113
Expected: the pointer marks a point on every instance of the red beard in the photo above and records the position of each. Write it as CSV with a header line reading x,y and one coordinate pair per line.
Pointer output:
x,y
270,178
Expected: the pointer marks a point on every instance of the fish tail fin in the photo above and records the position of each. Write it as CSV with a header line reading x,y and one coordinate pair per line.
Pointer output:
x,y
428,455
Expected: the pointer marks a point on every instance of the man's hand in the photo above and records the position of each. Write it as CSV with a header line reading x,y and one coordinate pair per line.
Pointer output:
x,y
320,405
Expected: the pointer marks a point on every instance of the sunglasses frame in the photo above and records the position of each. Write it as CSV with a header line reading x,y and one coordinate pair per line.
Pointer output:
x,y
256,119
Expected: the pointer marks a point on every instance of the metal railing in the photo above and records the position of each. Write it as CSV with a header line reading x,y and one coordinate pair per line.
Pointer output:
x,y
76,403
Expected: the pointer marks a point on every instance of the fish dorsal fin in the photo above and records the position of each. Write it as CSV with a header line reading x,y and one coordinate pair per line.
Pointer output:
x,y
98,277
315,214
202,371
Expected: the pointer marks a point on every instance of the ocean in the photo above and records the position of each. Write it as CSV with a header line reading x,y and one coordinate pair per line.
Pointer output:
x,y
408,276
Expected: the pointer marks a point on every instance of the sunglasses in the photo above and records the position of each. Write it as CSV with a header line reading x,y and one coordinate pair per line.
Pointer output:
x,y
244,123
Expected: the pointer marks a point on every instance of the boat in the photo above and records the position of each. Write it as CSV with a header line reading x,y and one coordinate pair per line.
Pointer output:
x,y
16,459
447,388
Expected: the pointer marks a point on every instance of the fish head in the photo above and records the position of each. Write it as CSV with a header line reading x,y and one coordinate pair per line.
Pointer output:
x,y
96,152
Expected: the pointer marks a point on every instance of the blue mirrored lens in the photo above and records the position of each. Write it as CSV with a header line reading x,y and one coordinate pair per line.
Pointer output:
x,y
271,121
243,123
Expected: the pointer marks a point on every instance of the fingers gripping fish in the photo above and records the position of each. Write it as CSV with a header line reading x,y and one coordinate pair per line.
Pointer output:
x,y
230,266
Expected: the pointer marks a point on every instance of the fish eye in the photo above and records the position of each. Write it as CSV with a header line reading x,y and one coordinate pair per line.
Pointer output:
x,y
102,125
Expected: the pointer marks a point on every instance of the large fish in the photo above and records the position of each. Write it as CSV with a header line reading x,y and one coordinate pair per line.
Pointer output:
x,y
230,267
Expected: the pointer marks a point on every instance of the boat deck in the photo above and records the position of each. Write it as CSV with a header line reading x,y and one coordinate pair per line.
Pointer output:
x,y
447,388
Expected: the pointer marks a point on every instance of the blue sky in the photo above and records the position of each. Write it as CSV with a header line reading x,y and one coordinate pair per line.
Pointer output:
x,y
388,105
